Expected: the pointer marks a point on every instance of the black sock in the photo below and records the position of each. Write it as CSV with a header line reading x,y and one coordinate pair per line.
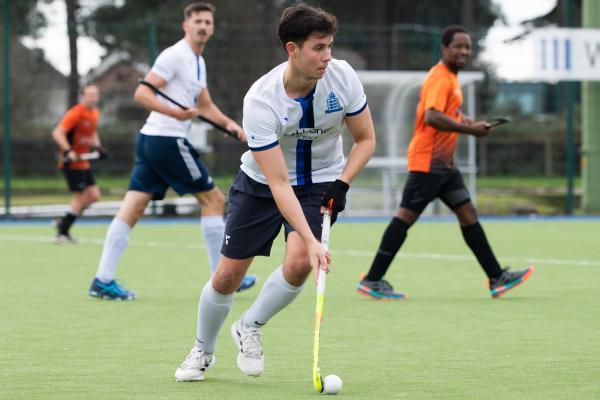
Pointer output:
x,y
65,223
391,242
476,240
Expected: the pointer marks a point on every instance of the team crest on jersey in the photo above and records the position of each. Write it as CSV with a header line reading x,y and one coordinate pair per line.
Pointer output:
x,y
333,104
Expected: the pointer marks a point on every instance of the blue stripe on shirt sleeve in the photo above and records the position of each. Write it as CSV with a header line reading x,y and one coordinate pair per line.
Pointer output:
x,y
357,112
267,147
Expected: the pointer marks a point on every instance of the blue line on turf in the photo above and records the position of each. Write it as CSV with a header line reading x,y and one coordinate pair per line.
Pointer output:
x,y
342,219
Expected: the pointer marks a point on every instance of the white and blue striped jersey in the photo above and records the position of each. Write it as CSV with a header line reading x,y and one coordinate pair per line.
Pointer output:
x,y
307,129
185,73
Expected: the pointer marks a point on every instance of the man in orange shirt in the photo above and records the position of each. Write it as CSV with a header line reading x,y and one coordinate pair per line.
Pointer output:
x,y
76,134
433,174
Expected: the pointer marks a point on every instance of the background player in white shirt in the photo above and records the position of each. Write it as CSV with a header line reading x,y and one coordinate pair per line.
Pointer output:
x,y
164,157
293,117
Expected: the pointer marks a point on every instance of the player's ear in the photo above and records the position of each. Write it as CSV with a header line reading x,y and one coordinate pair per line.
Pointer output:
x,y
291,48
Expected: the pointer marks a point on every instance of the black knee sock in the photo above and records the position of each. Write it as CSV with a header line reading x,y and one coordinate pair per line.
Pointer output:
x,y
390,244
476,240
65,222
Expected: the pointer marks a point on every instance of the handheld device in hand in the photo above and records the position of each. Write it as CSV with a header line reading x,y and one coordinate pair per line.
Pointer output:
x,y
499,121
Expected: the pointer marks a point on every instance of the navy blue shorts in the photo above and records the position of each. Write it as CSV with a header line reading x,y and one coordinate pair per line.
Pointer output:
x,y
254,221
421,188
79,179
163,161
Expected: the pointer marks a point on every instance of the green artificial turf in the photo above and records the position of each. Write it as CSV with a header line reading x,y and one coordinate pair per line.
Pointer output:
x,y
448,340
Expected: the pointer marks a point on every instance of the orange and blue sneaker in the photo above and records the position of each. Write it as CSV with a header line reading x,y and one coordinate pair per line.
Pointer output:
x,y
509,280
110,291
378,290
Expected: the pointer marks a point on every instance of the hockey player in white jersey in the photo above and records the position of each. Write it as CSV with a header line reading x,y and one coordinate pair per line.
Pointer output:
x,y
295,166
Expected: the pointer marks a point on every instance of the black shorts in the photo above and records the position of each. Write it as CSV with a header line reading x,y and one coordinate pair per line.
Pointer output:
x,y
254,221
421,188
79,179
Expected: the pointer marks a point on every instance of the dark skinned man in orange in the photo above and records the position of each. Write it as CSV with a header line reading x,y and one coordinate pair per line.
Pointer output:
x,y
433,174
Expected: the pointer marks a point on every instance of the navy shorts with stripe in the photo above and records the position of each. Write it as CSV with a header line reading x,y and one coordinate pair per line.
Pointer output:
x,y
421,188
254,221
162,162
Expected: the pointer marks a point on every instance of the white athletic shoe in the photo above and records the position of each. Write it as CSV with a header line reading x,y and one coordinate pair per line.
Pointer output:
x,y
194,366
250,359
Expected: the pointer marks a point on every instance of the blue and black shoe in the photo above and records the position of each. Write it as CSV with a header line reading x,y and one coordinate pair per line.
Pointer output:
x,y
247,283
110,291
509,280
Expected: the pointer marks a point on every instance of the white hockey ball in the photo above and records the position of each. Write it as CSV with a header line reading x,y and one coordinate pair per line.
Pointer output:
x,y
332,384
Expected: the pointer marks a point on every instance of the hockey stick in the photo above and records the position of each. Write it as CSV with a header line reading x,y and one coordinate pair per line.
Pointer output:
x,y
321,279
200,117
94,155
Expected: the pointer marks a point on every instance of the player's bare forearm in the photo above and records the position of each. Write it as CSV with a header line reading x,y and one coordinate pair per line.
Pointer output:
x,y
96,140
145,97
363,133
290,208
60,137
444,123
272,165
210,110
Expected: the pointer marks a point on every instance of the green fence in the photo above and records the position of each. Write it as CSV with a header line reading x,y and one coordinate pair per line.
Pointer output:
x,y
35,96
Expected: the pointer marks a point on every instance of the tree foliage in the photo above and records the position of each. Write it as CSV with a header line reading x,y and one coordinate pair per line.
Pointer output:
x,y
25,18
374,34
125,27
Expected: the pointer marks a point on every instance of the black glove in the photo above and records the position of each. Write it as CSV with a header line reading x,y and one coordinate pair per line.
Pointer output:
x,y
102,151
336,194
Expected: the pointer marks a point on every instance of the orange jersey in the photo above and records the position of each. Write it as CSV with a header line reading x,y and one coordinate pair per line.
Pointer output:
x,y
80,123
431,150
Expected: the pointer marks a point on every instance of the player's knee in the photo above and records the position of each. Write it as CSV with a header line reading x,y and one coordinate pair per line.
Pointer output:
x,y
130,215
219,200
298,267
213,201
218,197
467,214
407,216
95,196
90,195
226,280
138,213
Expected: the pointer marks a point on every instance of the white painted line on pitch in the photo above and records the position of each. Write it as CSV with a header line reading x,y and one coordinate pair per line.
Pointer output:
x,y
458,257
353,253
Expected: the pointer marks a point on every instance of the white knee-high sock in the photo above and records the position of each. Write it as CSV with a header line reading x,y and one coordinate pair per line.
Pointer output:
x,y
213,308
275,295
213,229
115,243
